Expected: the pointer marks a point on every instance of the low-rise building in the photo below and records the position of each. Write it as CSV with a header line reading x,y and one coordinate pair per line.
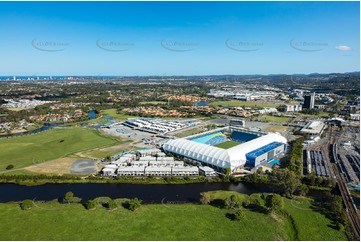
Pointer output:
x,y
108,171
165,158
185,171
207,171
355,116
131,171
148,152
293,108
139,163
313,127
147,158
158,171
161,154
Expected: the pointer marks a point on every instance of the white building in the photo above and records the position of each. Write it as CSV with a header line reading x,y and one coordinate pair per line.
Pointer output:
x,y
147,158
139,163
207,171
158,171
131,171
293,108
185,171
108,171
313,127
355,116
148,152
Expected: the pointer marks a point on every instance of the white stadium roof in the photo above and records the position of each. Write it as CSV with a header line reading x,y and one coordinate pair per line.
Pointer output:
x,y
223,158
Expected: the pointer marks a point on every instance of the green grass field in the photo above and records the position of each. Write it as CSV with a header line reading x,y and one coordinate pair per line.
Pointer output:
x,y
275,119
113,113
227,144
309,224
53,221
150,222
23,151
276,128
251,104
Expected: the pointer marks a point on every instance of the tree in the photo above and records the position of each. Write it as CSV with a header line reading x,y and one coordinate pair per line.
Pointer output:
x,y
274,202
69,198
134,204
232,202
302,190
286,180
205,198
90,205
26,204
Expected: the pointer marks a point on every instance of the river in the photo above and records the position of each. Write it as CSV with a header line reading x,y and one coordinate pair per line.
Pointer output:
x,y
181,193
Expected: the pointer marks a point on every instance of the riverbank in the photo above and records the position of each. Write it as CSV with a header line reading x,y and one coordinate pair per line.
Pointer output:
x,y
173,219
35,180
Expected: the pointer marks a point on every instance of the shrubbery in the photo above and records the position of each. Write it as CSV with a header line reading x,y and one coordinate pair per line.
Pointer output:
x,y
26,204
90,205
69,198
9,167
134,204
111,205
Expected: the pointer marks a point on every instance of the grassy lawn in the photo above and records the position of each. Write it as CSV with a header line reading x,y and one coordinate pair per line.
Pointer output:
x,y
275,119
53,221
188,132
113,113
150,222
243,103
112,150
44,146
311,225
227,144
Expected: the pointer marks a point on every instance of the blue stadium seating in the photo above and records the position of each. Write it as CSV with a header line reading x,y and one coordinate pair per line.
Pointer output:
x,y
242,137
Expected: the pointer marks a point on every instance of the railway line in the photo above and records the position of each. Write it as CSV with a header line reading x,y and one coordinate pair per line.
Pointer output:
x,y
340,175
351,210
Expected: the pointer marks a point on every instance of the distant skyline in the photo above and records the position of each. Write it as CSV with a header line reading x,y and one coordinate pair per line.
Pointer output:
x,y
178,38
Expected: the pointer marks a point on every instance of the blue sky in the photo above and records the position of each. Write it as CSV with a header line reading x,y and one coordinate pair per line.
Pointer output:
x,y
178,38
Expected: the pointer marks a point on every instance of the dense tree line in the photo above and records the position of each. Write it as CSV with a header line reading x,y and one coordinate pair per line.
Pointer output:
x,y
294,161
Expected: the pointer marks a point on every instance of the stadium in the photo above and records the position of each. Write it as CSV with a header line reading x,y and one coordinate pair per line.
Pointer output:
x,y
229,147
